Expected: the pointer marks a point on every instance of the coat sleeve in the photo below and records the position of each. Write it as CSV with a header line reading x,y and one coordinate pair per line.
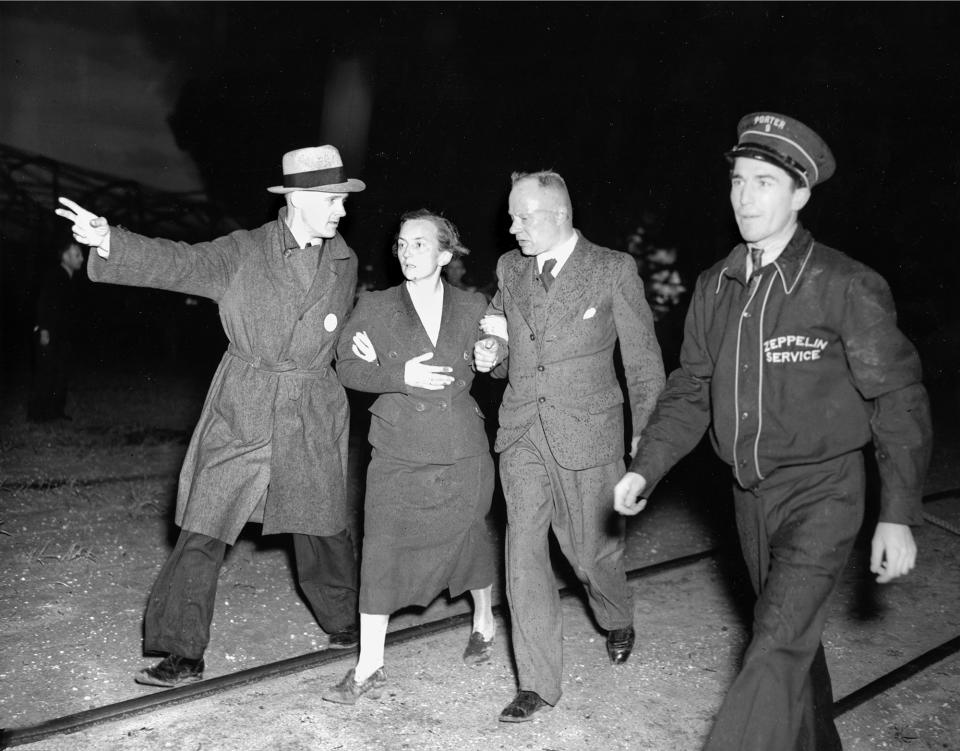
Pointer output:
x,y
204,269
683,411
383,376
885,368
495,308
639,350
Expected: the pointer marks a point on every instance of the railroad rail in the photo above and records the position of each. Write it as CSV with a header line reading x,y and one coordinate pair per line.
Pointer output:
x,y
151,702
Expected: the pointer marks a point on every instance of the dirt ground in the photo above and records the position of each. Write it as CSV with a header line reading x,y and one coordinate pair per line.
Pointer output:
x,y
78,558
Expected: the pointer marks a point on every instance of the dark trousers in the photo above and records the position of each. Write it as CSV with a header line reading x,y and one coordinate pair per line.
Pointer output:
x,y
48,394
796,531
542,496
180,608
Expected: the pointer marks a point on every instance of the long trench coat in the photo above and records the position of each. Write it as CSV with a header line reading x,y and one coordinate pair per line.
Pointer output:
x,y
271,442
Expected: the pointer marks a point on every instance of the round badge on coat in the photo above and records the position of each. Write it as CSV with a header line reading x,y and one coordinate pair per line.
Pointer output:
x,y
330,322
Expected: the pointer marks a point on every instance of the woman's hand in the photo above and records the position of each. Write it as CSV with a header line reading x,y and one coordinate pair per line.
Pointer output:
x,y
430,377
363,348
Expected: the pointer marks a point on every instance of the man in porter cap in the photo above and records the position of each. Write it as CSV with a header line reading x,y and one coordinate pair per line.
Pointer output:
x,y
271,443
792,357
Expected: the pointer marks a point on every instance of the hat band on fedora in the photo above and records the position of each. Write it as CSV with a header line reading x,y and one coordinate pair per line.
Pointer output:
x,y
315,178
768,154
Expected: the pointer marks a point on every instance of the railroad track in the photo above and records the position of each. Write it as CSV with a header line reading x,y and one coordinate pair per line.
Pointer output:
x,y
151,702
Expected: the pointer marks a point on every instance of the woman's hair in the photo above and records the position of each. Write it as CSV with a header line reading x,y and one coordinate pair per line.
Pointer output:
x,y
447,234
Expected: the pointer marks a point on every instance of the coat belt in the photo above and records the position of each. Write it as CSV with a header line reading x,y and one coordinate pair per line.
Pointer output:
x,y
284,366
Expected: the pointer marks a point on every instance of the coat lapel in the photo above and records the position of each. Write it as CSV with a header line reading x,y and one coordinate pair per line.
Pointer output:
x,y
335,252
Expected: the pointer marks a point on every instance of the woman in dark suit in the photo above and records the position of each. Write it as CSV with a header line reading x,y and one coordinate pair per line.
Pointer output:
x,y
430,480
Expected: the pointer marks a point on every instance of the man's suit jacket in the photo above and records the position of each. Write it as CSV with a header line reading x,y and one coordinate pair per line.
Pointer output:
x,y
438,427
561,368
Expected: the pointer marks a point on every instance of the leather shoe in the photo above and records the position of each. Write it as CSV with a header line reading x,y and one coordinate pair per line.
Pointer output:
x,y
347,691
346,639
478,649
172,670
620,644
523,707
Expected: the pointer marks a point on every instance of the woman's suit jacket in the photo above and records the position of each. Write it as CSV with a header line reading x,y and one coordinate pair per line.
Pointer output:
x,y
435,427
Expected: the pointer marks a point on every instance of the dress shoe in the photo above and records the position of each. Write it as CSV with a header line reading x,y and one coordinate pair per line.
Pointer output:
x,y
348,690
478,649
523,707
172,670
620,644
346,639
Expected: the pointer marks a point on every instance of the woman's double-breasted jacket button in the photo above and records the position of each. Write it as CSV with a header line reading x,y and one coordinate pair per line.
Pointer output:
x,y
392,354
466,356
542,399
532,337
420,406
442,405
461,383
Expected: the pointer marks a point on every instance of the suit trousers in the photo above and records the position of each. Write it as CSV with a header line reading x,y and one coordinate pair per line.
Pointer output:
x,y
796,529
578,506
180,607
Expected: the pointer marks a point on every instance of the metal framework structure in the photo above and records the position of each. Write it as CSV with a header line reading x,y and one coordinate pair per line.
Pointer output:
x,y
30,184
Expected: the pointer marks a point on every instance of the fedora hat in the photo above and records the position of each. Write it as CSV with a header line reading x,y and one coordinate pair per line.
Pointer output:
x,y
317,168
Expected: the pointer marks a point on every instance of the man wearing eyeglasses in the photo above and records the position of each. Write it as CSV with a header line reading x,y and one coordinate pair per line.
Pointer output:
x,y
561,306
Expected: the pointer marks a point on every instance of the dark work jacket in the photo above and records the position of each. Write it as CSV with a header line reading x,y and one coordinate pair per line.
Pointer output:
x,y
420,425
803,366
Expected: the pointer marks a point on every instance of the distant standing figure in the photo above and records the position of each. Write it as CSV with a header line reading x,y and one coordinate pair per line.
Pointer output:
x,y
431,477
53,333
271,442
791,356
561,307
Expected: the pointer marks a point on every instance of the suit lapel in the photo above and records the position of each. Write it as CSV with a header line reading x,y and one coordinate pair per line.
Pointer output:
x,y
407,327
570,284
519,285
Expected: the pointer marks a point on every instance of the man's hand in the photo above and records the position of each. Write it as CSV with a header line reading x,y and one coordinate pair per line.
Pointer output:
x,y
363,348
430,377
44,337
486,354
494,325
893,552
88,228
634,444
625,500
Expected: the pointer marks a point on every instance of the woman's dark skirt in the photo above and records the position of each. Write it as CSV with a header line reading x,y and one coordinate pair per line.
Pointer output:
x,y
425,531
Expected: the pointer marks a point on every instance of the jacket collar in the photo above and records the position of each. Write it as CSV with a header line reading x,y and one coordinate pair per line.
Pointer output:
x,y
334,246
789,264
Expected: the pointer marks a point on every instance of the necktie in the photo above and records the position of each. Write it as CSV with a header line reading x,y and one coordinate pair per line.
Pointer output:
x,y
546,276
756,258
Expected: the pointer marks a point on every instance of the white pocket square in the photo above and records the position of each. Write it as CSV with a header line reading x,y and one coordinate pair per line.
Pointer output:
x,y
590,313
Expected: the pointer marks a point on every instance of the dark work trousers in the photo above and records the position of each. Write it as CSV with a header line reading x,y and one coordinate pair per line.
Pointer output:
x,y
577,506
180,608
796,531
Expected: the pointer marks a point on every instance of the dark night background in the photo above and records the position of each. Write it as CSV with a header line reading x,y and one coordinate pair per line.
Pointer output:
x,y
634,103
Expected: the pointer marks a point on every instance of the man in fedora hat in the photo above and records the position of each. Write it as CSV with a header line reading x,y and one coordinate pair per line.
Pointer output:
x,y
271,442
792,357
561,307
